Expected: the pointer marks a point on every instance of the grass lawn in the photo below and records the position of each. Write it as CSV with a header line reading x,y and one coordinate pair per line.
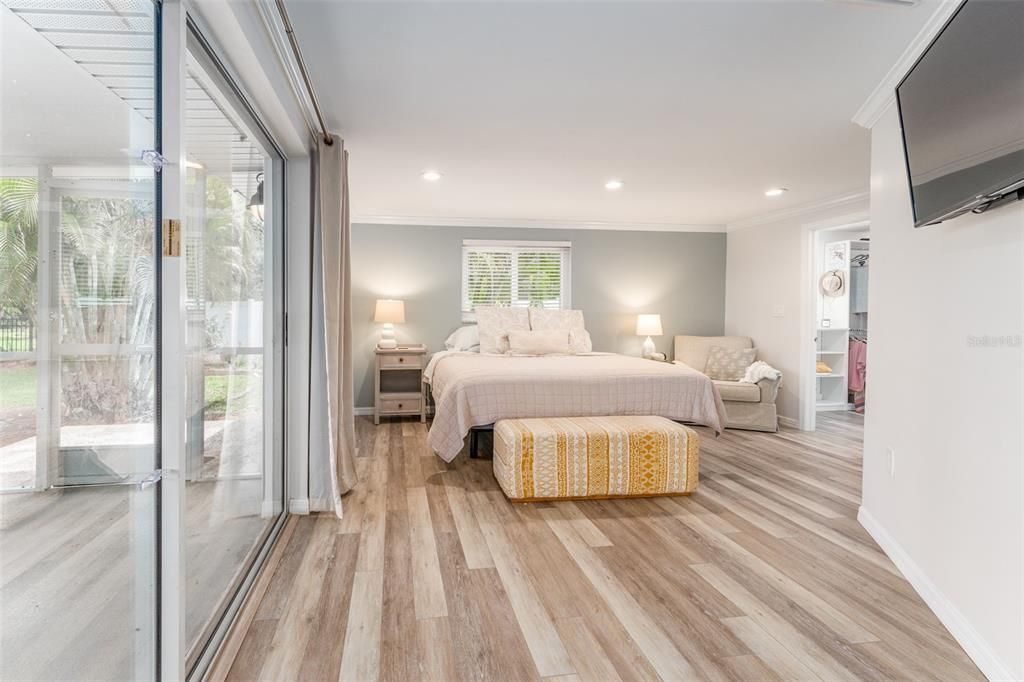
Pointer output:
x,y
18,389
216,394
17,386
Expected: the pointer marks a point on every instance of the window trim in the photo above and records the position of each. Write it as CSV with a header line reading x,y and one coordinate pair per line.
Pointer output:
x,y
513,246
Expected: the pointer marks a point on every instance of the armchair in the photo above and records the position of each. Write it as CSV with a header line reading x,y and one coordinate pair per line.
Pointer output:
x,y
747,406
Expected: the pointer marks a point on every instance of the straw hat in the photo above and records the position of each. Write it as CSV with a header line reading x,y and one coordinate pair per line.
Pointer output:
x,y
832,283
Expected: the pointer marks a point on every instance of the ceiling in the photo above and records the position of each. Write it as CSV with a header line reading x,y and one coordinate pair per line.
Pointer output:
x,y
528,108
77,89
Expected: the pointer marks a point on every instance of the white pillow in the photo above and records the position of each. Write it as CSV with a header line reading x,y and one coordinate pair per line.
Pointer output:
x,y
464,338
543,342
493,323
579,341
543,318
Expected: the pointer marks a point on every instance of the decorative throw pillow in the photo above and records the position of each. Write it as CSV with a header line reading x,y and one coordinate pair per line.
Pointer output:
x,y
579,341
544,318
464,339
729,364
542,342
495,323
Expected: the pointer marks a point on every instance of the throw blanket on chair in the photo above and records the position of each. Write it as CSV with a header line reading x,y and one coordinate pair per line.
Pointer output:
x,y
760,370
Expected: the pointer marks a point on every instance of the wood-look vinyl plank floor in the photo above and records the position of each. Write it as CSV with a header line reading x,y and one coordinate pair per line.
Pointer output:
x,y
762,574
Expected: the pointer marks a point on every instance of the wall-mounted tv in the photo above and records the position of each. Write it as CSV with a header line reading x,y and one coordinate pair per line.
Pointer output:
x,y
962,112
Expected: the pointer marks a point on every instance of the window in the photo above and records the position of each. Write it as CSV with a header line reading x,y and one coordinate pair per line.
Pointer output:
x,y
511,273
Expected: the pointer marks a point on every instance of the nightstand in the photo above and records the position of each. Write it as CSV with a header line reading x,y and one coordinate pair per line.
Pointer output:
x,y
398,382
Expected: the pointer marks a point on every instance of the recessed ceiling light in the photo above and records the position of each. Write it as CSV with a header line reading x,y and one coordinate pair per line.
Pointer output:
x,y
431,176
776,191
614,184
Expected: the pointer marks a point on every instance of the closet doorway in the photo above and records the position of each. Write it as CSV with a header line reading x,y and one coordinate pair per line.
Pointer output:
x,y
835,320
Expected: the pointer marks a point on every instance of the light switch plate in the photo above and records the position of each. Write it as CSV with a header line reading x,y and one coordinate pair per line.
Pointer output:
x,y
778,310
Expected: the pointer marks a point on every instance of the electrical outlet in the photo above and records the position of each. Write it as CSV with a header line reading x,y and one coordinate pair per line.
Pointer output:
x,y
892,462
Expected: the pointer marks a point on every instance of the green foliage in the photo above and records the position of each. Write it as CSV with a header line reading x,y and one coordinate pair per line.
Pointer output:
x,y
489,278
503,278
19,225
540,278
232,246
17,385
106,276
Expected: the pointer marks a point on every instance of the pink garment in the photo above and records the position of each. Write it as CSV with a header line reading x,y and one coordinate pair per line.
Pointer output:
x,y
857,370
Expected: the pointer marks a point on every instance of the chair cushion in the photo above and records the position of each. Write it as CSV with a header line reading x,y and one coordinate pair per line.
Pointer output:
x,y
594,457
693,350
738,392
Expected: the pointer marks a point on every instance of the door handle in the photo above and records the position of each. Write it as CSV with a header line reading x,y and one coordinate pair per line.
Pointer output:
x,y
154,477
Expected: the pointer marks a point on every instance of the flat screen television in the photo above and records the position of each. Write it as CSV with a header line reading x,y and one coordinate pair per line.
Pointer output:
x,y
961,108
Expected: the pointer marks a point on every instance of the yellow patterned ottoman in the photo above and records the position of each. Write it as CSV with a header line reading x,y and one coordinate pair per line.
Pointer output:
x,y
594,457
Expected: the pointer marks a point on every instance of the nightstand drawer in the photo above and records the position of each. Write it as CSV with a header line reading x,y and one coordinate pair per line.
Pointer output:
x,y
410,404
401,361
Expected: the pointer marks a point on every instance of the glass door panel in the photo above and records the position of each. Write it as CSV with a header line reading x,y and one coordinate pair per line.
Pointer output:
x,y
107,323
234,483
78,323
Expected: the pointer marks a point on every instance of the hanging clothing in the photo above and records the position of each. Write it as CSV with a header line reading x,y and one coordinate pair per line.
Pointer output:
x,y
858,366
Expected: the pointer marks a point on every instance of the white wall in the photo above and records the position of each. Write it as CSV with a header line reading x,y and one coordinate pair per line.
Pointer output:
x,y
765,277
952,515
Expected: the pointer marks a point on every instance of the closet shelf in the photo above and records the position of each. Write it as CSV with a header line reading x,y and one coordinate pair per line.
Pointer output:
x,y
831,352
831,375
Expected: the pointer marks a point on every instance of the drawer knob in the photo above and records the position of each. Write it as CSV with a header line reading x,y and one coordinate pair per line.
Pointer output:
x,y
401,359
399,405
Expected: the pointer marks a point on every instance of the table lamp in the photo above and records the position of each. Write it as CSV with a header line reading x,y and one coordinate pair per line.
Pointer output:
x,y
389,312
648,325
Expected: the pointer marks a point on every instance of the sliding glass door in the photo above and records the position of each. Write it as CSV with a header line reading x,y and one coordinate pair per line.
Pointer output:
x,y
233,260
78,337
141,341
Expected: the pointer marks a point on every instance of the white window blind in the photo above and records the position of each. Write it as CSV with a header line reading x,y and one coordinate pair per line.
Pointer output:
x,y
510,273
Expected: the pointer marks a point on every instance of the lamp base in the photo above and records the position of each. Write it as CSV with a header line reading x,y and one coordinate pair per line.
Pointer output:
x,y
387,337
648,348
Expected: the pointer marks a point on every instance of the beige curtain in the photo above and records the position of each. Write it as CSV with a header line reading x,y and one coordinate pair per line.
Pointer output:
x,y
335,239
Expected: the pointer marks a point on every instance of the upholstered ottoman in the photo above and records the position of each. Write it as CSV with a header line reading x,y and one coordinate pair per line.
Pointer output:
x,y
594,457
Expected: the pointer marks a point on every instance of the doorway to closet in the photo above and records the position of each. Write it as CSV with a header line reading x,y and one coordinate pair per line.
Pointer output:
x,y
835,375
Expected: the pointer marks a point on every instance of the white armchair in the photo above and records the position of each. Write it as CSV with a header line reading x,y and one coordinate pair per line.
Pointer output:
x,y
747,406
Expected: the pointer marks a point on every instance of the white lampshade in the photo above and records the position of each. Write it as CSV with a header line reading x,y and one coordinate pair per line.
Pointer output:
x,y
389,310
648,325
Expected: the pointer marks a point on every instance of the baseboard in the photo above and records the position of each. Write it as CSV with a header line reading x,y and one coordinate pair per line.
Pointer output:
x,y
954,621
789,421
270,509
324,505
298,505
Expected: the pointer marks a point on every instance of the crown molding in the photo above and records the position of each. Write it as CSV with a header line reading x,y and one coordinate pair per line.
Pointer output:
x,y
884,94
836,202
532,223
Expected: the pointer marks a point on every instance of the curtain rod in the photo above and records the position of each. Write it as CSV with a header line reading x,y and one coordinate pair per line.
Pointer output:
x,y
290,31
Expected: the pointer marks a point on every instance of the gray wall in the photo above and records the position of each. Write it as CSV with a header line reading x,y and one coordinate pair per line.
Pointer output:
x,y
615,275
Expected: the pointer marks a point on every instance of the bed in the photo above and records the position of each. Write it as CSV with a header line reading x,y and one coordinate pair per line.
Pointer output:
x,y
474,389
